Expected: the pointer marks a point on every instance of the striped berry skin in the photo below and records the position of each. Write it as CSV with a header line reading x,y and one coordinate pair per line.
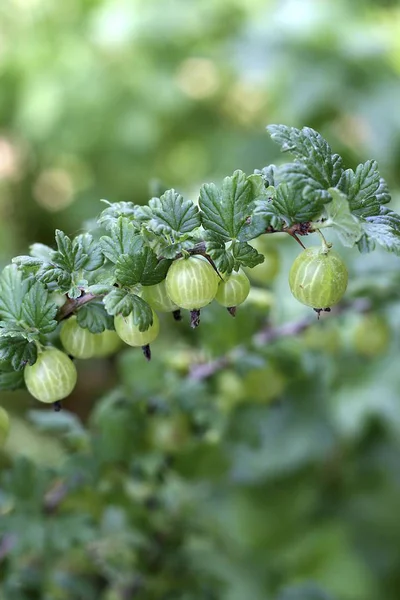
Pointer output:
x,y
157,297
77,341
191,282
130,334
318,277
52,377
233,290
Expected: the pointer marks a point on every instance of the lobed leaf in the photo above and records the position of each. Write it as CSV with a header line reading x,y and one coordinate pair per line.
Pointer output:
x,y
123,302
173,215
94,317
365,189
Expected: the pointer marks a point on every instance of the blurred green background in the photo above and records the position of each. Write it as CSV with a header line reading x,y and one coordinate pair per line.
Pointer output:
x,y
279,477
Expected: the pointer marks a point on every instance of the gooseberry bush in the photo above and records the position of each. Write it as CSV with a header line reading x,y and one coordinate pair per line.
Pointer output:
x,y
94,294
178,254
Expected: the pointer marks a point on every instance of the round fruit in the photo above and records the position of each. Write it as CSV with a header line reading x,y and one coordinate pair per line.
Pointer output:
x,y
191,282
233,290
130,334
266,271
318,277
77,341
108,342
52,377
371,336
157,297
4,426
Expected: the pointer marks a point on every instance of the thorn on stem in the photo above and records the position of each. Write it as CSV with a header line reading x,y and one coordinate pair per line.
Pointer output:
x,y
232,310
194,318
147,351
177,314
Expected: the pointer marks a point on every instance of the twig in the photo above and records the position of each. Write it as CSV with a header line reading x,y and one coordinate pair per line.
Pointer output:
x,y
71,305
270,334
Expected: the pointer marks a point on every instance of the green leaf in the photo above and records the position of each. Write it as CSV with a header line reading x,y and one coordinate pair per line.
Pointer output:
x,y
69,255
41,251
229,257
13,289
122,240
216,248
10,379
123,302
245,255
110,216
18,352
337,215
38,311
288,206
142,267
92,249
384,229
227,211
365,189
316,166
174,215
93,316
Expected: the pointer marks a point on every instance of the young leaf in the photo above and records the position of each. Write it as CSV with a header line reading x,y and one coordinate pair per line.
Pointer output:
x,y
338,216
142,267
174,215
94,317
13,289
313,152
226,211
110,216
122,240
216,248
365,189
123,302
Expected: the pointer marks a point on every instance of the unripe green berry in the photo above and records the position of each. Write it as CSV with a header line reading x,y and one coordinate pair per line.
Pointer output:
x,y
157,297
318,277
191,282
130,334
233,290
52,377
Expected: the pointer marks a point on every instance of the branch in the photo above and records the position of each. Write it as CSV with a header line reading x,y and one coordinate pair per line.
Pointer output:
x,y
267,335
71,305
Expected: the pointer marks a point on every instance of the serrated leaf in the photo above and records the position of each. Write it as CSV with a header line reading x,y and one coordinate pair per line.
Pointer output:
x,y
38,311
109,216
99,289
94,317
13,289
123,302
142,267
269,176
122,240
365,189
92,250
245,255
222,257
18,352
42,252
13,329
70,255
288,206
337,215
174,215
55,276
384,229
322,166
226,211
